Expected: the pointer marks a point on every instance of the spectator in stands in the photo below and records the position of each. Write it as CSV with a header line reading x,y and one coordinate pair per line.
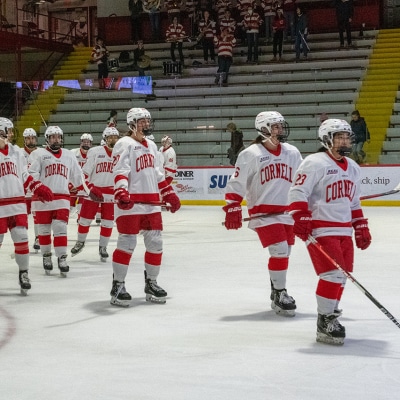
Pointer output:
x,y
251,23
301,30
221,6
191,9
224,44
152,7
100,56
141,62
278,27
361,133
206,35
236,143
228,22
81,32
289,11
136,9
112,119
173,9
175,35
269,14
344,15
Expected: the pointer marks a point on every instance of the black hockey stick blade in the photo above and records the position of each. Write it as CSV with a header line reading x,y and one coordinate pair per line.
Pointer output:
x,y
313,241
372,196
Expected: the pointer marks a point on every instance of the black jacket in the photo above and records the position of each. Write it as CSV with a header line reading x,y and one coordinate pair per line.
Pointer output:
x,y
344,10
360,130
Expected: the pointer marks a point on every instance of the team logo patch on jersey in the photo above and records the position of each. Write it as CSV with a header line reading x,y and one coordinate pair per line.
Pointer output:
x,y
137,148
332,172
265,158
101,156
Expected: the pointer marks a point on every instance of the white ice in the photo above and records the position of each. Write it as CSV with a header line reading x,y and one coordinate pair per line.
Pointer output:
x,y
215,338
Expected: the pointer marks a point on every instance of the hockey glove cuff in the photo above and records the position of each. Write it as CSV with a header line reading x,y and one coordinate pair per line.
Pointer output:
x,y
96,194
43,193
171,199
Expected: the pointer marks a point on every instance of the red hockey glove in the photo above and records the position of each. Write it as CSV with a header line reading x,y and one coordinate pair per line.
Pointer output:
x,y
233,216
96,194
171,199
122,197
42,192
302,224
361,233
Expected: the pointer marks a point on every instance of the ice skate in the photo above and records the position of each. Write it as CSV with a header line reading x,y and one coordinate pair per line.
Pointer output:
x,y
103,253
63,265
329,329
154,293
47,263
77,248
24,282
119,296
36,245
282,303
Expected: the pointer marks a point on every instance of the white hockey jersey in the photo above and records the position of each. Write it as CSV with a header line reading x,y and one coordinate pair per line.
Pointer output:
x,y
55,170
169,158
264,178
330,190
98,170
137,168
13,177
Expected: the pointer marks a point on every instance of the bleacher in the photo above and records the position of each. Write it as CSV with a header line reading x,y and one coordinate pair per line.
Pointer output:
x,y
194,111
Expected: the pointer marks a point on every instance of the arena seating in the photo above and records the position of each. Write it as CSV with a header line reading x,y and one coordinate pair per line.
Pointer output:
x,y
194,111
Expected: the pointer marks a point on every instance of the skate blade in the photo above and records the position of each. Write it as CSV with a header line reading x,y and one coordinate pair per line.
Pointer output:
x,y
24,292
283,313
156,300
63,274
323,338
48,272
119,303
103,259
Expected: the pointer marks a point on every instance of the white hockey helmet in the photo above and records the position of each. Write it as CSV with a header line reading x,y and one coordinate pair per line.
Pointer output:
x,y
87,136
29,132
265,120
5,126
329,128
53,130
135,114
166,141
110,131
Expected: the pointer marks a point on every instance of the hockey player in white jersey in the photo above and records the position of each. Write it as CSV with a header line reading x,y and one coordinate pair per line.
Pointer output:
x,y
98,172
325,202
56,167
30,144
138,182
14,181
81,152
169,157
263,174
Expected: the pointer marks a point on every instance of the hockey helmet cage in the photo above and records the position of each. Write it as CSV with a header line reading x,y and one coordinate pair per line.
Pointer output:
x,y
29,132
110,131
166,141
266,119
329,128
87,136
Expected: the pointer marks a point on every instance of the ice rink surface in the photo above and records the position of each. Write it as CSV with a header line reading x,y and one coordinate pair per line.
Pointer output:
x,y
215,338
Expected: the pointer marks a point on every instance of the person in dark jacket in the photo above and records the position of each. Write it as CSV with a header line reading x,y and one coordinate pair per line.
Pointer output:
x,y
344,15
236,143
301,31
361,133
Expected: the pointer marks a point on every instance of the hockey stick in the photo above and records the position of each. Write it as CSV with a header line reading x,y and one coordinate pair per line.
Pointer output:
x,y
257,216
304,41
312,240
372,196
